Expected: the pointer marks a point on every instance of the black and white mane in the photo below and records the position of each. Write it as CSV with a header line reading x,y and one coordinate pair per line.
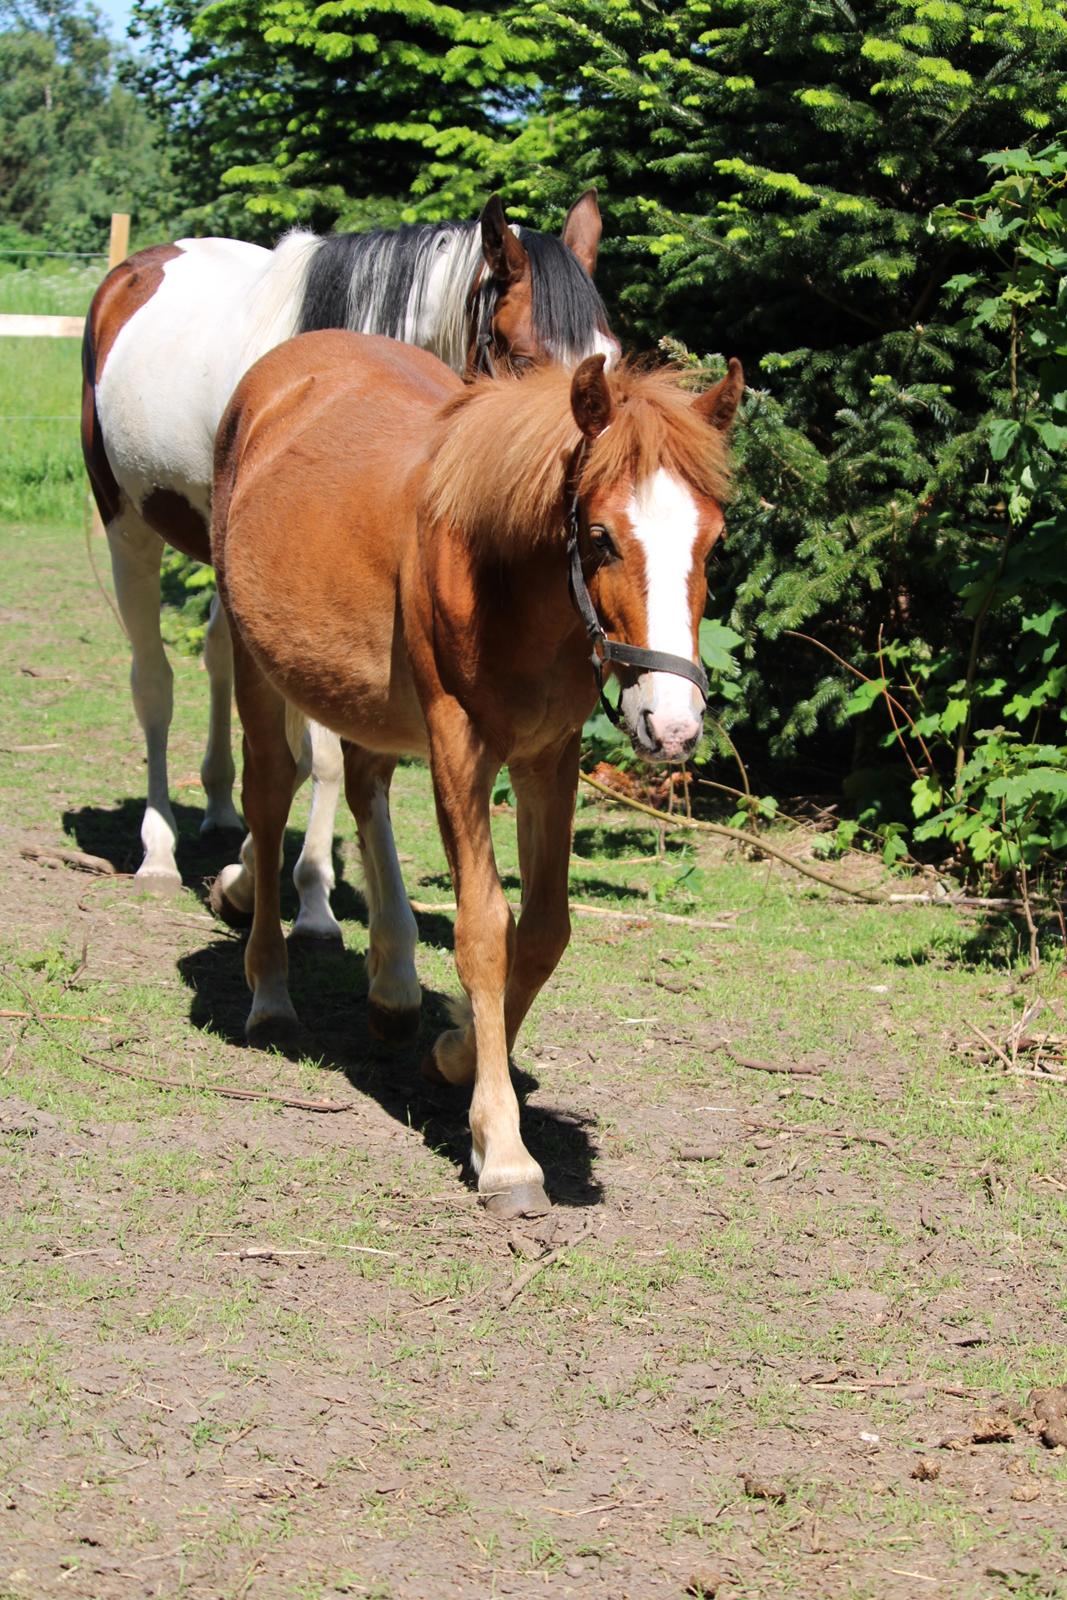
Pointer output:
x,y
414,283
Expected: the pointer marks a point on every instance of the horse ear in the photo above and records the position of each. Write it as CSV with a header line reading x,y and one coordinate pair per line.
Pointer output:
x,y
591,400
582,230
505,257
719,404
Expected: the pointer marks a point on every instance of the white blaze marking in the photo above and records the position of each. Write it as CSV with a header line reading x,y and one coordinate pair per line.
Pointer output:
x,y
665,522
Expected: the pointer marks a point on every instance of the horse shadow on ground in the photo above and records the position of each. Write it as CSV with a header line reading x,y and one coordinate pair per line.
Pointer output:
x,y
329,990
998,943
114,832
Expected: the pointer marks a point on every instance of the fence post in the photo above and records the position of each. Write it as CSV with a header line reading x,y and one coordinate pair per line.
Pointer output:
x,y
119,246
118,249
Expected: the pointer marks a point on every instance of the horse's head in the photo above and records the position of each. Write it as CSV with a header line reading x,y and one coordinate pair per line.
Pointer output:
x,y
649,512
535,301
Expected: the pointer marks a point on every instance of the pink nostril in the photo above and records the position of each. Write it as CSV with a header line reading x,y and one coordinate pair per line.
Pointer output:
x,y
673,732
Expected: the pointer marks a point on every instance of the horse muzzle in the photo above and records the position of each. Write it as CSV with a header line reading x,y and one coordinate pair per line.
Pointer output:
x,y
662,726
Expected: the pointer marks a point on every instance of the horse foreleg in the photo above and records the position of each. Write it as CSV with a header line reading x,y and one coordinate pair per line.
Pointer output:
x,y
313,874
267,792
545,792
394,995
136,553
510,1182
216,770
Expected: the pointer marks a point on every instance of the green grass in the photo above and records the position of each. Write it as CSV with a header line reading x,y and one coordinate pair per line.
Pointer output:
x,y
319,1422
41,471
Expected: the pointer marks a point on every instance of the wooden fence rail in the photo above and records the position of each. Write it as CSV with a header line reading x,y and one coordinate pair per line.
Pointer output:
x,y
31,327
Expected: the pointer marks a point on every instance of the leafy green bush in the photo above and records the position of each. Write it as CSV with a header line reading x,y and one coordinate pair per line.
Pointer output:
x,y
985,731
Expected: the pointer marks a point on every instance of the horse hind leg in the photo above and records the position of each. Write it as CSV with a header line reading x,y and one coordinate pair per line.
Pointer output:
x,y
267,794
233,893
313,874
394,995
136,554
217,769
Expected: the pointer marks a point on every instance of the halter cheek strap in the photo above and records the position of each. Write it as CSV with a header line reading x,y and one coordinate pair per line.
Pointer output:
x,y
607,652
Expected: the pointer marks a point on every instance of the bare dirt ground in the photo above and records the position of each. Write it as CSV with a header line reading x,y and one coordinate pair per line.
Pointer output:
x,y
778,1337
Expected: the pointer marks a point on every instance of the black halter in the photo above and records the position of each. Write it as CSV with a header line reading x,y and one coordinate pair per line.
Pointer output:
x,y
606,651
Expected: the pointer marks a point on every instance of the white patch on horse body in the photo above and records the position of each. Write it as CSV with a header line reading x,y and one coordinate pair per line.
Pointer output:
x,y
664,518
172,369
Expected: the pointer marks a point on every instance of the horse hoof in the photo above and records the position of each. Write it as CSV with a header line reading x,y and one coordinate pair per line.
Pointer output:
x,y
224,908
431,1074
524,1200
221,832
272,1033
390,1026
157,881
313,939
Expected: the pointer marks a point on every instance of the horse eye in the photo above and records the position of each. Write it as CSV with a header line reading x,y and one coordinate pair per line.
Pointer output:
x,y
602,542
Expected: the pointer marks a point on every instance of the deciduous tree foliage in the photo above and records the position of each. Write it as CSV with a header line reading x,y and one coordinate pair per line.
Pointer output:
x,y
780,180
74,145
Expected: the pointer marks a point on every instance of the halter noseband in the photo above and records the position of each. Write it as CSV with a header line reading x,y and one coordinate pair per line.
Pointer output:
x,y
606,651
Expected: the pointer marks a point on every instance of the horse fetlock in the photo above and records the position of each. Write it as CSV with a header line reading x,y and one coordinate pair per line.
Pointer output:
x,y
316,923
314,882
158,871
221,816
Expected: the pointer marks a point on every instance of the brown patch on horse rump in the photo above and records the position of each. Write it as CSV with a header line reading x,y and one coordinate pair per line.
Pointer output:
x,y
178,522
105,489
123,292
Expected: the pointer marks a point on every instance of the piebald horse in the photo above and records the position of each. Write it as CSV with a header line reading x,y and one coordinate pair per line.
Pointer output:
x,y
169,334
424,567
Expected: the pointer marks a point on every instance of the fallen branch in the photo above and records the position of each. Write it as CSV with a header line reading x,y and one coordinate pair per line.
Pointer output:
x,y
356,1249
292,1102
813,1131
975,902
1011,1070
523,1281
262,1252
426,907
56,1016
989,1043
71,858
871,896
753,1064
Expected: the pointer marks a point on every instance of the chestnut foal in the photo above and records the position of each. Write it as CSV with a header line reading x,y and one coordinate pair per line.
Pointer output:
x,y
421,567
